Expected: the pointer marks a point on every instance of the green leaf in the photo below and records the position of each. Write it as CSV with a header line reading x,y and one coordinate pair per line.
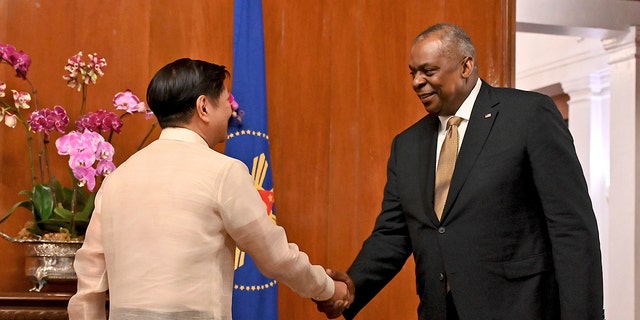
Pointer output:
x,y
36,230
42,202
54,225
85,214
24,204
48,218
63,194
57,189
62,213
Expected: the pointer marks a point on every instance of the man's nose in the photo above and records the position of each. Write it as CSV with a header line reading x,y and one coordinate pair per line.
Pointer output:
x,y
418,81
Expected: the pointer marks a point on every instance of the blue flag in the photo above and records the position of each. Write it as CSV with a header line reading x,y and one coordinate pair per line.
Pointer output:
x,y
254,295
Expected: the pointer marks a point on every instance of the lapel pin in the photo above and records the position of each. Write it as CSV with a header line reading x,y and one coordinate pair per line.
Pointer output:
x,y
487,116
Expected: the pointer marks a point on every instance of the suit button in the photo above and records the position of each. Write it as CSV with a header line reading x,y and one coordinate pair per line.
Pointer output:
x,y
442,229
441,276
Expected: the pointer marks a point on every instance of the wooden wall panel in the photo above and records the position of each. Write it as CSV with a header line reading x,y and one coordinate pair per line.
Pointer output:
x,y
338,91
198,29
298,58
381,79
488,23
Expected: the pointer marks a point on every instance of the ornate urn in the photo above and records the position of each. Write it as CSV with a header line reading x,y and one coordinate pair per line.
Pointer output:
x,y
48,260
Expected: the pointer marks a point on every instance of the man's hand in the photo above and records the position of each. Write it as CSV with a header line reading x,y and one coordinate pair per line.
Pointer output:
x,y
342,297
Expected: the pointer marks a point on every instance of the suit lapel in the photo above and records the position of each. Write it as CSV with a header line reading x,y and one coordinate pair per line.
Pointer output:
x,y
483,115
430,178
426,155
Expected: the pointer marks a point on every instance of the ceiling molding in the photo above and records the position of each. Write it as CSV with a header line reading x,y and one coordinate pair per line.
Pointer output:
x,y
583,18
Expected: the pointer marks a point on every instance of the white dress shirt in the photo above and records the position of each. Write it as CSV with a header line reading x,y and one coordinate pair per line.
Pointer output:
x,y
164,231
463,112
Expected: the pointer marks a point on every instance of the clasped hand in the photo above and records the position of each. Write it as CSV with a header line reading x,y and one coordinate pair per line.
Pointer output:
x,y
342,297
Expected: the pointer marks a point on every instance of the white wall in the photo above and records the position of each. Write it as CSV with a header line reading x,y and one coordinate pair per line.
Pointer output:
x,y
589,50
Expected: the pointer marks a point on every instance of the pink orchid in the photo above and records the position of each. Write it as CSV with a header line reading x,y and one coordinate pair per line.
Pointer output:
x,y
100,121
74,65
47,120
236,113
6,51
84,149
76,141
19,60
66,143
81,73
234,103
104,168
105,151
21,99
3,87
86,177
95,66
129,102
83,157
21,63
10,120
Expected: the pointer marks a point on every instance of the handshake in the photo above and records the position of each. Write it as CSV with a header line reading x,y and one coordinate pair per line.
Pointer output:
x,y
342,297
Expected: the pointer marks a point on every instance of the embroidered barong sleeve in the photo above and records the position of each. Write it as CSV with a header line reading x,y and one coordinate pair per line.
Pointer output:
x,y
246,220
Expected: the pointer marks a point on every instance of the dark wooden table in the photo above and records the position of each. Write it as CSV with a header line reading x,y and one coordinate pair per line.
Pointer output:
x,y
33,306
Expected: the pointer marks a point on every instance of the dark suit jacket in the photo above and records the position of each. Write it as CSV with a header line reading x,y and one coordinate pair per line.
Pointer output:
x,y
518,238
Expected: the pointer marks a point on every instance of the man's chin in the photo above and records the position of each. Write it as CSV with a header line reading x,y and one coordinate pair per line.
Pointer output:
x,y
432,108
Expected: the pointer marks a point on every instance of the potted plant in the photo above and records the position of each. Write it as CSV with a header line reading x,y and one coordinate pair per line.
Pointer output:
x,y
60,213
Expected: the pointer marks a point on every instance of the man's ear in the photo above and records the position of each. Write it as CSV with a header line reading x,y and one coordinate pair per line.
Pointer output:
x,y
201,108
467,67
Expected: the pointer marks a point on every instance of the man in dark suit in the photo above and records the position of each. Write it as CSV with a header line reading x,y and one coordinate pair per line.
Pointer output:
x,y
517,237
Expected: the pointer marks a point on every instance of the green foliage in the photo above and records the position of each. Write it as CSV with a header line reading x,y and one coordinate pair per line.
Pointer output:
x,y
56,208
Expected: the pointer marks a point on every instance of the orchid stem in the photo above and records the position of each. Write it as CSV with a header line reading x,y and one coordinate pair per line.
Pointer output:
x,y
84,99
74,198
153,126
30,151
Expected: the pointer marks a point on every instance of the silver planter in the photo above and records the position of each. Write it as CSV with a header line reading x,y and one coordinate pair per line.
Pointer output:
x,y
48,261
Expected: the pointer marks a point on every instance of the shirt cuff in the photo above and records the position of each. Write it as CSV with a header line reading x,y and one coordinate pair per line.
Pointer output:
x,y
329,290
